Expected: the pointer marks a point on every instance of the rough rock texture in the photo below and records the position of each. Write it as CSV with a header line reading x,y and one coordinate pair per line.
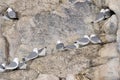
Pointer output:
x,y
47,77
43,22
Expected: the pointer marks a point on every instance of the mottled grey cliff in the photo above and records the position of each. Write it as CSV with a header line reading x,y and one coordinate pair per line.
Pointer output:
x,y
42,22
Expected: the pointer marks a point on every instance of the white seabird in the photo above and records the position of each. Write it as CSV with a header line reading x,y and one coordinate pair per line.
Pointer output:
x,y
59,45
2,67
83,41
32,55
108,13
100,16
42,51
103,14
74,46
11,14
13,65
95,39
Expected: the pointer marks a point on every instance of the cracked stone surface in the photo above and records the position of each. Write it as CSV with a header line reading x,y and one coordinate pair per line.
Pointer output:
x,y
43,22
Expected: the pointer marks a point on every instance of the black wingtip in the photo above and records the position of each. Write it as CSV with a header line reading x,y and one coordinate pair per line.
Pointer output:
x,y
92,22
75,42
23,59
15,19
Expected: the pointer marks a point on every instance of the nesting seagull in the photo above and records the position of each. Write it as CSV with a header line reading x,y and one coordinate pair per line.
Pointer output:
x,y
10,14
108,13
83,41
42,51
59,45
100,16
13,65
103,14
95,39
32,55
74,46
2,68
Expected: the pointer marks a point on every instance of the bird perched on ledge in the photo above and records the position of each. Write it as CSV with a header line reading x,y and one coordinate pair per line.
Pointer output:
x,y
2,67
83,41
13,64
59,45
32,55
95,39
10,14
70,47
104,14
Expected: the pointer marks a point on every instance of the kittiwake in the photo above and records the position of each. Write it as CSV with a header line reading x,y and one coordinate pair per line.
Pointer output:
x,y
95,39
103,15
100,16
11,14
2,68
32,55
13,64
83,41
59,45
70,47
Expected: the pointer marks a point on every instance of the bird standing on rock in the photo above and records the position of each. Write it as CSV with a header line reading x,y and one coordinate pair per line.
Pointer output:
x,y
103,14
2,67
83,41
11,14
12,65
70,47
32,55
59,45
95,39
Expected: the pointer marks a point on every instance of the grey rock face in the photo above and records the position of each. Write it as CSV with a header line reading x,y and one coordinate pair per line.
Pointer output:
x,y
110,26
43,22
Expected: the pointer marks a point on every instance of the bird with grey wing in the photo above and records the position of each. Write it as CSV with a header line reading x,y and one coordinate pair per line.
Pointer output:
x,y
32,55
10,14
95,39
2,68
103,14
12,65
60,45
84,40
73,46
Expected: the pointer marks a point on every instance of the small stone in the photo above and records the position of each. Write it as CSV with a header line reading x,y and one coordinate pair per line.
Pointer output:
x,y
70,77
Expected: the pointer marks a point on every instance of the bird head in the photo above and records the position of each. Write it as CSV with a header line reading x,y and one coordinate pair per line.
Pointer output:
x,y
9,9
35,50
106,10
102,10
58,41
76,44
86,36
16,60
